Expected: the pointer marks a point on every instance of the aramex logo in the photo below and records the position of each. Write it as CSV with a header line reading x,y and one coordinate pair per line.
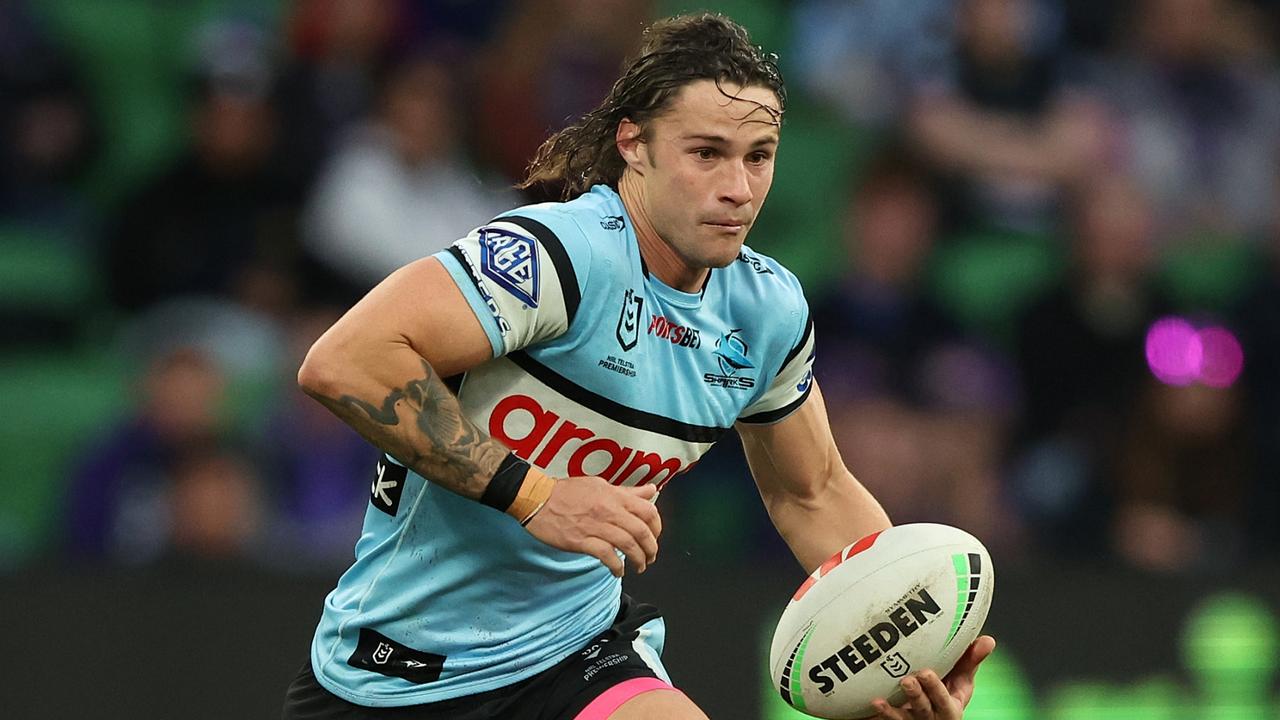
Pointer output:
x,y
561,435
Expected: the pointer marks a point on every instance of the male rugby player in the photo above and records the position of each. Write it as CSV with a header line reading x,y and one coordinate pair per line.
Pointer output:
x,y
601,345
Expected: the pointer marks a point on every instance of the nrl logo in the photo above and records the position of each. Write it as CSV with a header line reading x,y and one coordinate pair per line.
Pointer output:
x,y
629,320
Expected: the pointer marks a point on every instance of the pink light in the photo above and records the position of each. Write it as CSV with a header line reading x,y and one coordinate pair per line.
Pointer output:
x,y
1174,351
1223,358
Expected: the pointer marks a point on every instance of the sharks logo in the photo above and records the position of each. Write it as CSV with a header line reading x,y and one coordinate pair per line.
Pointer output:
x,y
731,354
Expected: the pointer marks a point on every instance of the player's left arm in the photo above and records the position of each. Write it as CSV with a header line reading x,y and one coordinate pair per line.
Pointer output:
x,y
819,507
814,501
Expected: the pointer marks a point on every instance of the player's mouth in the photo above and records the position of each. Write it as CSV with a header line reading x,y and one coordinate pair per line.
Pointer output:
x,y
728,226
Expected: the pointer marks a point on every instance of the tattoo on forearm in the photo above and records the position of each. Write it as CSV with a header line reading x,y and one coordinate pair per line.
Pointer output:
x,y
385,415
447,448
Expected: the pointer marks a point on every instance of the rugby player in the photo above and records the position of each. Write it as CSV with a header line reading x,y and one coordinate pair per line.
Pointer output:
x,y
535,386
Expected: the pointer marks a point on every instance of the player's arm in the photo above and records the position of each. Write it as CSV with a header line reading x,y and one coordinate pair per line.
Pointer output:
x,y
814,501
380,368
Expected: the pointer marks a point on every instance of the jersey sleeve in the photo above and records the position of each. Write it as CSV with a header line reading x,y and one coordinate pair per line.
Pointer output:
x,y
522,274
790,386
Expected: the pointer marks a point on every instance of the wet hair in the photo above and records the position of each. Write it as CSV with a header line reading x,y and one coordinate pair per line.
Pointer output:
x,y
676,51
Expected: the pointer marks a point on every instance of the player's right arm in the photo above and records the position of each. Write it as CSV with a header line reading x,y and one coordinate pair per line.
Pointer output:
x,y
380,368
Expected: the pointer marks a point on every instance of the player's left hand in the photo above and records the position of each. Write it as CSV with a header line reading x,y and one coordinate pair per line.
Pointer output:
x,y
932,698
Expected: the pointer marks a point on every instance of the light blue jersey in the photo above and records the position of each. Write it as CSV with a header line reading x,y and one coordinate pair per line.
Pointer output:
x,y
598,369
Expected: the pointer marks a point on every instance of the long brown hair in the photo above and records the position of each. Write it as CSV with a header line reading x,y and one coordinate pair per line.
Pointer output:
x,y
676,51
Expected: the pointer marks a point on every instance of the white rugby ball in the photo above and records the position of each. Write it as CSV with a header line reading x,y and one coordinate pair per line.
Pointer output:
x,y
909,598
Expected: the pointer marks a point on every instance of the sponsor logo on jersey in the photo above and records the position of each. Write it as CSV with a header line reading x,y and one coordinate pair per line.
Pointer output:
x,y
622,366
612,222
731,354
805,381
511,261
901,620
504,327
378,653
388,484
754,263
586,451
680,335
628,333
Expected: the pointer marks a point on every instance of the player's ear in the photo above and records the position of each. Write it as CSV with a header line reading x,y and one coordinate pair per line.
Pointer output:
x,y
630,140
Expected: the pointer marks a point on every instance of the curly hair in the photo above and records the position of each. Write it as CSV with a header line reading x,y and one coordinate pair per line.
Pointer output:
x,y
676,51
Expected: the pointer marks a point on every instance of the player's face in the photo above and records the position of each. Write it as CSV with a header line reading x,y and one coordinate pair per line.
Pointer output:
x,y
708,167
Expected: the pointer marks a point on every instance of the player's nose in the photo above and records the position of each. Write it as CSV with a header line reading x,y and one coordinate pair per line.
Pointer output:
x,y
735,187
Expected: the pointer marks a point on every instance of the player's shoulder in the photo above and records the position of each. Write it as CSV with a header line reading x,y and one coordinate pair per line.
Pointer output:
x,y
761,279
576,225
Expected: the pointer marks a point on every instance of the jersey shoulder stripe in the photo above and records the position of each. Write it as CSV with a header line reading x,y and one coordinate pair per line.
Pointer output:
x,y
614,410
772,416
804,340
559,257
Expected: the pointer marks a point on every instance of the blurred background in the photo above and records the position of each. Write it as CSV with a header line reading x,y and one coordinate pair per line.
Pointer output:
x,y
1041,240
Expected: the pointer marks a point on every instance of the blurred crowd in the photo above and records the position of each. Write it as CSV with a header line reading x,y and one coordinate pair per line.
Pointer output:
x,y
1044,259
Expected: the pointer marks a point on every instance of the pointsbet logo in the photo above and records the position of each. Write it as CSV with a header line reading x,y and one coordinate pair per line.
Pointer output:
x,y
901,620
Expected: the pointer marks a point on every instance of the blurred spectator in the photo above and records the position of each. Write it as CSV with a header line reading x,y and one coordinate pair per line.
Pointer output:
x,y
552,62
1199,116
220,220
1080,353
1181,481
1003,121
318,468
337,48
914,404
864,58
48,131
401,188
119,500
1258,319
215,507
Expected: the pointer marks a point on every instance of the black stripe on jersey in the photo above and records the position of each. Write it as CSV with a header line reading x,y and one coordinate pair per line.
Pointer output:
x,y
614,410
808,330
559,258
769,416
462,260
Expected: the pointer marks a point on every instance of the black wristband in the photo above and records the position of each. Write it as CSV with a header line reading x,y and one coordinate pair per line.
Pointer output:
x,y
506,482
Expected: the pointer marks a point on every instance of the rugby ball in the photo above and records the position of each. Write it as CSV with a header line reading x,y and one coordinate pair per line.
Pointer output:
x,y
906,599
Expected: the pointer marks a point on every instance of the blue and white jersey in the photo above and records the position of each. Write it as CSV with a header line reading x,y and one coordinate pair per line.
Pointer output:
x,y
598,369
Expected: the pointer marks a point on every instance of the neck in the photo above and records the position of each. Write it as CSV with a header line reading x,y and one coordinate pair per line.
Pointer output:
x,y
659,256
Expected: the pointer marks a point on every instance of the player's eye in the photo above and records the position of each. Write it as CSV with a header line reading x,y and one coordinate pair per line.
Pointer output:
x,y
705,153
756,158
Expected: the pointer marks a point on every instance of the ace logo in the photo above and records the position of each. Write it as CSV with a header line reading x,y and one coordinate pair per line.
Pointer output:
x,y
511,261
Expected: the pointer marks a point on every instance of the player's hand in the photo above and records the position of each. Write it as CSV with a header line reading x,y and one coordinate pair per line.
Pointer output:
x,y
589,515
932,698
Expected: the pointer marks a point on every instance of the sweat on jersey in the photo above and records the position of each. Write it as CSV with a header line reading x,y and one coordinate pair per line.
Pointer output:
x,y
598,369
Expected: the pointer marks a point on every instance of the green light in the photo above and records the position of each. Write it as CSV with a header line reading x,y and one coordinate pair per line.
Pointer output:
x,y
1231,637
1002,691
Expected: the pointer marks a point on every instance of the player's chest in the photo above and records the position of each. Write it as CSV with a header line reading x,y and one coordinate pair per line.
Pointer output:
x,y
699,362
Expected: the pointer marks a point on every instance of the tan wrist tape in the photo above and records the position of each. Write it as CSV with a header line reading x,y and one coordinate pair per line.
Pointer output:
x,y
533,494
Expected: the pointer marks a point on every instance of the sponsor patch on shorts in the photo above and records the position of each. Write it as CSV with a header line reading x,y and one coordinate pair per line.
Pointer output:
x,y
378,653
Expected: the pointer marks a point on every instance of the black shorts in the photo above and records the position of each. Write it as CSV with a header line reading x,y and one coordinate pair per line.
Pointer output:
x,y
557,693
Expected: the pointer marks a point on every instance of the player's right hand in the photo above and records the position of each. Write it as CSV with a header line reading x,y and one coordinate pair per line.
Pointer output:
x,y
589,515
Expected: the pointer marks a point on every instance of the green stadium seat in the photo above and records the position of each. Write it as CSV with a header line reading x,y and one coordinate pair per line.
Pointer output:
x,y
1209,274
57,403
986,280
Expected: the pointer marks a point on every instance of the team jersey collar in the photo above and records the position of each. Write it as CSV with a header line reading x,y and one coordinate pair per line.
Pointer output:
x,y
659,288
